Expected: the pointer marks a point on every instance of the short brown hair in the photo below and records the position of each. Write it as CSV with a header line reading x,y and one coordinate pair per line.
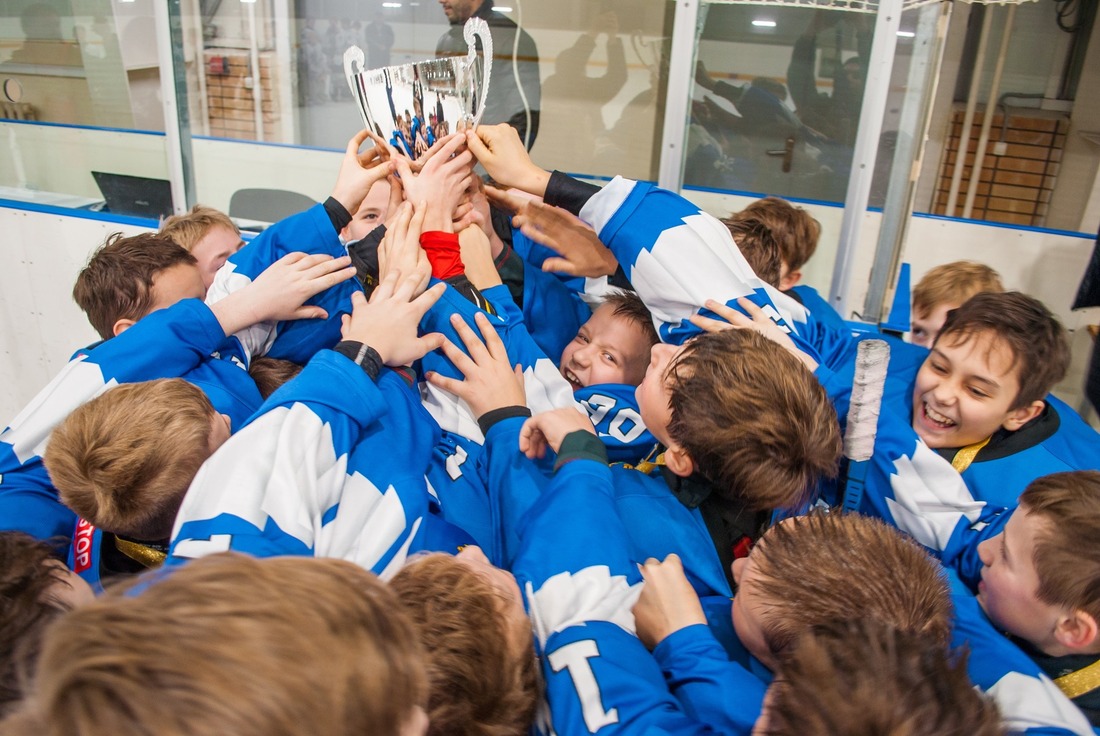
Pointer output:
x,y
479,686
1035,337
271,373
953,283
794,229
628,304
124,460
866,677
827,567
188,229
232,644
757,243
757,424
117,283
1066,555
29,569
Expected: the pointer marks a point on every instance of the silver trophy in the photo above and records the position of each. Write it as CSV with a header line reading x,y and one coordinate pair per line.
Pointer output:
x,y
413,105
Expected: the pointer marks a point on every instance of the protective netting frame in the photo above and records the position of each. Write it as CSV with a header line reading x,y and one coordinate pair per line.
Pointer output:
x,y
855,6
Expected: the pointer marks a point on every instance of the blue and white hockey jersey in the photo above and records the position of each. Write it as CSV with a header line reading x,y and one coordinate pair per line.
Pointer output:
x,y
296,340
580,585
182,341
909,485
332,465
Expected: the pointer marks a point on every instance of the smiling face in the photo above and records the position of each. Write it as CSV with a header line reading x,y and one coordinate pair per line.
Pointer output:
x,y
965,390
1009,590
608,348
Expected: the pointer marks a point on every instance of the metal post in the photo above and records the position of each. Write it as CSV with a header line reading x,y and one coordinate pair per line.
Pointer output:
x,y
681,77
177,118
920,90
872,111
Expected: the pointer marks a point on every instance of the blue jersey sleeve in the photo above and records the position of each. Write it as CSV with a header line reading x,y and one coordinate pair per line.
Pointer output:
x,y
276,484
580,587
295,340
677,256
710,688
168,343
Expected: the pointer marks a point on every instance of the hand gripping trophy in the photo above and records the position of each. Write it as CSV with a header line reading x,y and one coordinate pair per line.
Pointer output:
x,y
411,105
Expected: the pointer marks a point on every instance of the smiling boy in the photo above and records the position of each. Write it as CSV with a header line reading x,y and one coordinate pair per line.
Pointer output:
x,y
980,398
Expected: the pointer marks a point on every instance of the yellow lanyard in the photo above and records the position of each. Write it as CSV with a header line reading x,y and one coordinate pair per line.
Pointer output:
x,y
147,556
650,463
966,455
1080,682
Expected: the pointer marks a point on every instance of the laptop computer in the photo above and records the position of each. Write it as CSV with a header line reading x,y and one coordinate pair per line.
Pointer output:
x,y
136,196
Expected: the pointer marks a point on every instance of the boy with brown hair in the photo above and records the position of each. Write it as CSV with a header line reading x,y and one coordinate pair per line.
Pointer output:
x,y
864,677
206,649
482,674
36,589
792,228
943,288
130,277
981,397
797,578
187,339
207,234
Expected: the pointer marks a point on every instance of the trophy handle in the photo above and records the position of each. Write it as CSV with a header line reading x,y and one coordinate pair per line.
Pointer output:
x,y
354,61
474,29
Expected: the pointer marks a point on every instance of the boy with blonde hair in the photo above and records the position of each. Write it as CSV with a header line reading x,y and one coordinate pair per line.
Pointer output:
x,y
943,288
207,234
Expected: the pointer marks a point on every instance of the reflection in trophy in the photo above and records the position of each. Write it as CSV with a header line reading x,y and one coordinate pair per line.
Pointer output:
x,y
412,105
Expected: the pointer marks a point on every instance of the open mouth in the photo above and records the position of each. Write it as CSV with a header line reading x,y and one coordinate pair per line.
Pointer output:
x,y
935,418
572,378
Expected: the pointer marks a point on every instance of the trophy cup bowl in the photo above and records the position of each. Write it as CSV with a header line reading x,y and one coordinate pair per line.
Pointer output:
x,y
412,105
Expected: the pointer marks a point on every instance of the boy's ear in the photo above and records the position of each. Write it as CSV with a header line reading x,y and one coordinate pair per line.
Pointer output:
x,y
1078,632
679,461
122,325
790,280
1019,417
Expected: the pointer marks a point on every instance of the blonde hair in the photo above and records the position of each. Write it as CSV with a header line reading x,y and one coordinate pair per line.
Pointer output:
x,y
953,283
228,644
188,229
124,460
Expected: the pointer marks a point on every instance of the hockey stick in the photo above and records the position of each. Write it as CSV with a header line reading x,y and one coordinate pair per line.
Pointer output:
x,y
872,359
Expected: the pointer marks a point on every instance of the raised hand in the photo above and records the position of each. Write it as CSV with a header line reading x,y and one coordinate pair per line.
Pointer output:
x,y
400,252
359,171
442,181
491,382
499,149
755,319
580,252
388,322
